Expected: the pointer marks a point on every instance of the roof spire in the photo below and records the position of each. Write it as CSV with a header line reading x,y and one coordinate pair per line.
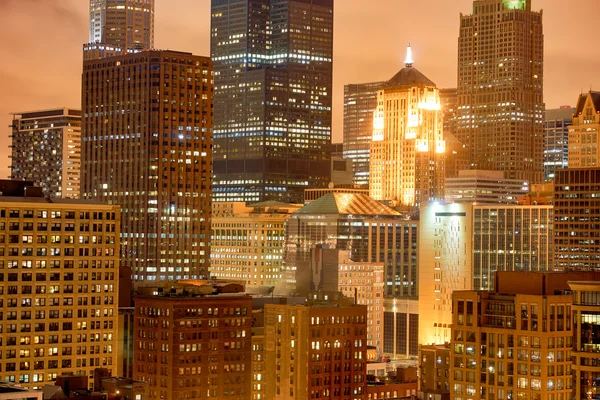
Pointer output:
x,y
408,62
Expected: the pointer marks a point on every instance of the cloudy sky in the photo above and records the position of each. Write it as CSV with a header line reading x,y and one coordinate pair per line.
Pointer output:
x,y
41,42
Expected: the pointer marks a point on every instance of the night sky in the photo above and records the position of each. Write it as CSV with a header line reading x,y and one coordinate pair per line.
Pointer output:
x,y
41,47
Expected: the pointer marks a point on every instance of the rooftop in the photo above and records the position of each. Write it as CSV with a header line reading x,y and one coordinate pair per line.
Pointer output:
x,y
346,204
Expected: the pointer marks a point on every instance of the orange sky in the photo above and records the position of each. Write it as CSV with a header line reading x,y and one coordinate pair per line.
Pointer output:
x,y
41,42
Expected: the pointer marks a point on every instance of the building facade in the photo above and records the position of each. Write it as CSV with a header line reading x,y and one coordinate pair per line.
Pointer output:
x,y
435,371
500,88
484,187
360,102
191,344
556,140
576,219
584,138
316,351
46,149
511,344
118,27
58,288
372,233
273,97
407,149
247,242
461,246
401,328
149,150
449,108
365,283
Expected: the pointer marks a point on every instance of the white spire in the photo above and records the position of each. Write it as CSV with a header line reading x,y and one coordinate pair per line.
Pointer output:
x,y
409,60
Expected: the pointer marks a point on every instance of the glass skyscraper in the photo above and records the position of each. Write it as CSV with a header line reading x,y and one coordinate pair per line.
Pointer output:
x,y
556,140
273,95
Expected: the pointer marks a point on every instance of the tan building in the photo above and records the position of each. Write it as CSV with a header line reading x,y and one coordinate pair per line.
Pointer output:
x,y
514,342
316,351
407,151
500,88
584,134
191,343
484,187
153,160
462,245
58,286
247,242
586,336
118,27
435,372
259,372
401,328
365,283
46,149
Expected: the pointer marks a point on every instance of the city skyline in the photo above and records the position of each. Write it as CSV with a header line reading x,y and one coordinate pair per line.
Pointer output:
x,y
359,56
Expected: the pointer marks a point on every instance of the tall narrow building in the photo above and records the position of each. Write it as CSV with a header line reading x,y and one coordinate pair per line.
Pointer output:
x,y
500,88
46,149
120,27
146,146
584,140
407,151
273,96
556,140
360,102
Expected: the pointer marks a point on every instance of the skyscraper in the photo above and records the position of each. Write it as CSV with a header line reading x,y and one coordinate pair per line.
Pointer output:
x,y
120,27
407,152
273,95
500,88
556,140
46,149
584,140
360,102
146,145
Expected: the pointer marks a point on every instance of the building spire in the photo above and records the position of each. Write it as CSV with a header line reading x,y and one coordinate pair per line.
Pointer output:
x,y
409,60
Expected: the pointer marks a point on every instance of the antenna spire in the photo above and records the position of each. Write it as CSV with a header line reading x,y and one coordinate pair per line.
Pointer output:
x,y
408,62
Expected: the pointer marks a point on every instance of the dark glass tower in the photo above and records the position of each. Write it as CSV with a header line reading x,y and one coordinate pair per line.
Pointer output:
x,y
273,95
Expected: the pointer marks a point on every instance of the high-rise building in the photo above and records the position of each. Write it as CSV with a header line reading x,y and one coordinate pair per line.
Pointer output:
x,y
584,138
371,231
577,219
449,107
58,286
515,341
586,337
462,245
273,96
193,341
247,242
118,27
407,151
500,88
360,102
46,149
484,187
401,327
456,158
556,140
149,151
318,350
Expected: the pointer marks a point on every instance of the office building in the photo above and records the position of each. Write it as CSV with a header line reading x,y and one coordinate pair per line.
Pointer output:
x,y
462,245
515,341
371,231
149,151
58,286
586,337
273,97
259,361
311,195
484,187
247,242
556,140
449,108
118,27
577,219
584,140
318,350
456,158
434,371
396,384
407,151
365,283
401,328
46,149
360,102
193,340
500,88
